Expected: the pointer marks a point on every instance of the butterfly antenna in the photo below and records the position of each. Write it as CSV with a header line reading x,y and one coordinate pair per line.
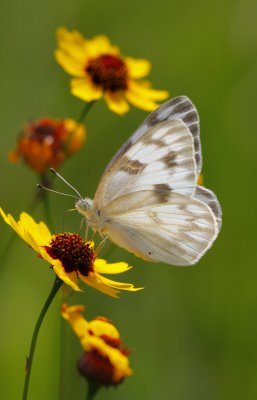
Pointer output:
x,y
55,191
64,180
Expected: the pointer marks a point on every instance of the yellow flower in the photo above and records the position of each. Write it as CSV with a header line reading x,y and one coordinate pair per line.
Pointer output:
x,y
200,180
48,142
101,71
105,360
70,256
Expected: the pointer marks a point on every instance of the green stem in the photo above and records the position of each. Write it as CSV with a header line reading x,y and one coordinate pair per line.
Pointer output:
x,y
93,388
85,111
45,199
56,286
62,361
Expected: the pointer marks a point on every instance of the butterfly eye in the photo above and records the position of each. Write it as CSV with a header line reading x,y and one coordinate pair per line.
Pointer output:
x,y
83,205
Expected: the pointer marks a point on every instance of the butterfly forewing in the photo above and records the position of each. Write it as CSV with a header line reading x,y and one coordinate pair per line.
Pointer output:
x,y
163,158
179,108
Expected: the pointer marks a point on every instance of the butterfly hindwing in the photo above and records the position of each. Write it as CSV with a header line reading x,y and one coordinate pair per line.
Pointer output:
x,y
208,197
177,230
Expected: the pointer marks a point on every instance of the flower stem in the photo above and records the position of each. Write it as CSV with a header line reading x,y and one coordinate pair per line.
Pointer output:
x,y
56,286
45,181
93,388
85,111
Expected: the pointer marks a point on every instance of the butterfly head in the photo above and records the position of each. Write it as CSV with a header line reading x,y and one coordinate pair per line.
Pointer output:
x,y
84,206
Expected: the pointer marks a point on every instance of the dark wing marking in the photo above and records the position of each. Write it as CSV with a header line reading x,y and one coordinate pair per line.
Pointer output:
x,y
209,198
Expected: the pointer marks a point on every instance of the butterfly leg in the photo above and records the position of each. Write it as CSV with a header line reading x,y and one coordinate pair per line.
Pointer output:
x,y
101,245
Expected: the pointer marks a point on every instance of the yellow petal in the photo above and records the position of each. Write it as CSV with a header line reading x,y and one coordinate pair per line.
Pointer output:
x,y
25,228
119,285
137,68
116,102
64,36
200,180
143,97
118,360
73,315
143,89
72,43
141,102
94,280
39,231
70,64
102,267
85,90
101,327
99,45
12,223
69,278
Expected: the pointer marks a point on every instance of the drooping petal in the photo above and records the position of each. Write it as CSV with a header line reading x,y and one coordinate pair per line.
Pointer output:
x,y
119,361
119,285
85,89
69,278
94,280
102,267
143,89
142,96
137,68
141,102
116,102
8,218
73,315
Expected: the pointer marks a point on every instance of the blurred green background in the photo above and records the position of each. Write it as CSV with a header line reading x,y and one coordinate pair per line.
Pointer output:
x,y
192,331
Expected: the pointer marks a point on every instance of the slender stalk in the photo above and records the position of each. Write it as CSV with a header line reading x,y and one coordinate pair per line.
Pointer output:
x,y
44,195
93,388
46,204
85,111
66,292
56,286
62,367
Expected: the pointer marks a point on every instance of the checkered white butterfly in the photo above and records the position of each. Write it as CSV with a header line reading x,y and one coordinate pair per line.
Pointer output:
x,y
148,200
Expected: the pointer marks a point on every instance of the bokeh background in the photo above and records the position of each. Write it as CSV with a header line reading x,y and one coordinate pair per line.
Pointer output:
x,y
192,331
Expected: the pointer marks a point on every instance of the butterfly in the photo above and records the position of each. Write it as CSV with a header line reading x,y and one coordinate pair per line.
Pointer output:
x,y
148,201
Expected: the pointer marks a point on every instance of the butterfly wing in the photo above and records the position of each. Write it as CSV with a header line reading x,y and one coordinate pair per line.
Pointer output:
x,y
149,193
180,108
177,230
163,158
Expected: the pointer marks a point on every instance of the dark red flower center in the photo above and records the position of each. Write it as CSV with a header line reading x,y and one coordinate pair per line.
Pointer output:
x,y
97,368
45,129
108,71
74,253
